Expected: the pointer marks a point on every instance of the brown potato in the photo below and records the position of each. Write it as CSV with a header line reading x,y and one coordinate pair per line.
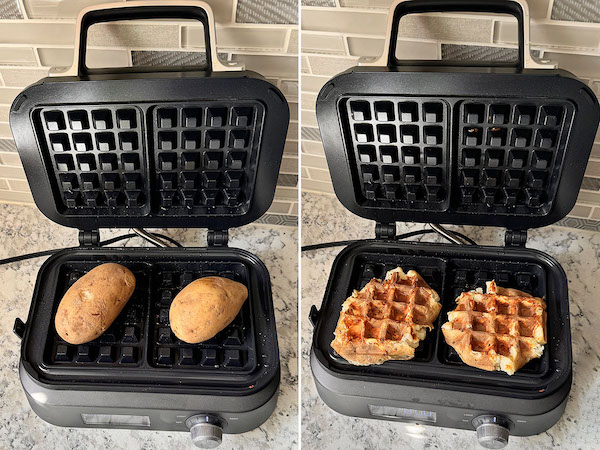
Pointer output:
x,y
205,307
94,301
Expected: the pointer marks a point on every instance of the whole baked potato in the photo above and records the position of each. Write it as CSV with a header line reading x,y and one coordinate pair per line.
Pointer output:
x,y
205,307
94,301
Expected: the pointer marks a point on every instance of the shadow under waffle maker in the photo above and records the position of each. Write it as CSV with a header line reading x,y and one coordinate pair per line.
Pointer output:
x,y
179,147
481,145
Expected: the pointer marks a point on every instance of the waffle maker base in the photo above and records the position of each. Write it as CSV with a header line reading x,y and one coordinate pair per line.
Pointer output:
x,y
138,375
436,388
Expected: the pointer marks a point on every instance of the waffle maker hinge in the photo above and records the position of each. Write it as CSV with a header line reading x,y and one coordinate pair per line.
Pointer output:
x,y
217,238
515,238
89,237
385,230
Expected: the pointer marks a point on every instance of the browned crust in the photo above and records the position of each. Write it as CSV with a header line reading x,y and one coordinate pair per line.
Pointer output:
x,y
361,351
461,341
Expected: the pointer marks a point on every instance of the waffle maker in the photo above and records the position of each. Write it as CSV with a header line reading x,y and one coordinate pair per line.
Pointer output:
x,y
175,147
439,142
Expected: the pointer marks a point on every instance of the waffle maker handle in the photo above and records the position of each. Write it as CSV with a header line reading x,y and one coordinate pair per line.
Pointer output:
x,y
142,10
401,8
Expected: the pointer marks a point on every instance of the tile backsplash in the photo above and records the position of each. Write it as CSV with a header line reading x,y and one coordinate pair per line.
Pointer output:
x,y
38,34
335,33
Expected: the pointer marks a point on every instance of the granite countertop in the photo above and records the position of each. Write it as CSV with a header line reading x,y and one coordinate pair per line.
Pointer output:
x,y
24,229
324,219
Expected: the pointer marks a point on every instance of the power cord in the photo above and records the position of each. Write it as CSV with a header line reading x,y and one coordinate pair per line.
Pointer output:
x,y
398,237
110,241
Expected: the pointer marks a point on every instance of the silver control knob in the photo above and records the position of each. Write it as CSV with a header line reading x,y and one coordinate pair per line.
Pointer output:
x,y
491,435
206,431
492,431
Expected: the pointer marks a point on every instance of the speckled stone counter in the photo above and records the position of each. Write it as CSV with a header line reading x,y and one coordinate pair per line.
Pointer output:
x,y
23,230
325,219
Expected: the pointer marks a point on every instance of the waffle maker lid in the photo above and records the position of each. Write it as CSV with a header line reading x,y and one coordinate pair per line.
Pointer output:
x,y
167,147
458,143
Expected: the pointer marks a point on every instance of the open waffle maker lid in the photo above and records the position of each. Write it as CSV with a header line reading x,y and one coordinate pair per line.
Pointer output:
x,y
132,147
430,141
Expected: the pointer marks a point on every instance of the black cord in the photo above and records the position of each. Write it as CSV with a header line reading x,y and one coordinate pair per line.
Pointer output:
x,y
110,241
398,237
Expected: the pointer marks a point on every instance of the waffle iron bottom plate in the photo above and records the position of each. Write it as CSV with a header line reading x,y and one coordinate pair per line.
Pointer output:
x,y
139,349
451,269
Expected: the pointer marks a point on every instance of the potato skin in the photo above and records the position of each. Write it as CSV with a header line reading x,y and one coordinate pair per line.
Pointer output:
x,y
94,301
205,307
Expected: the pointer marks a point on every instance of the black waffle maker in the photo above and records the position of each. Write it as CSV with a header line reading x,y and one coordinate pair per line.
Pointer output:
x,y
492,145
176,147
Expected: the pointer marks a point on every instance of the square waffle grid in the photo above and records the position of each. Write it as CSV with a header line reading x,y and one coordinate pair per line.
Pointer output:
x,y
230,349
463,276
401,150
448,277
140,337
97,158
122,344
509,154
205,156
502,156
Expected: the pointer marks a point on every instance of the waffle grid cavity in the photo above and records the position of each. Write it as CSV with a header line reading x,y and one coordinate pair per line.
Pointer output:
x,y
230,348
162,159
205,156
97,158
140,338
401,150
456,155
508,154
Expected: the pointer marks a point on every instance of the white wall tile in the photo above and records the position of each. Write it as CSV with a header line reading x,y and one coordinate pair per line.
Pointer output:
x,y
7,95
278,207
17,56
10,159
323,43
319,174
314,161
139,35
270,65
22,77
16,197
53,57
361,46
317,186
325,65
19,185
37,33
236,38
311,83
551,35
581,211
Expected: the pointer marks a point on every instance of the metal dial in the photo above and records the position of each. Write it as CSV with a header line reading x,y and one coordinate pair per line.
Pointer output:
x,y
492,431
206,431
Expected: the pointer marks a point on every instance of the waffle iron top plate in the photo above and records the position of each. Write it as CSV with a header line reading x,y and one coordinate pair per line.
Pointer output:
x,y
424,141
178,147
